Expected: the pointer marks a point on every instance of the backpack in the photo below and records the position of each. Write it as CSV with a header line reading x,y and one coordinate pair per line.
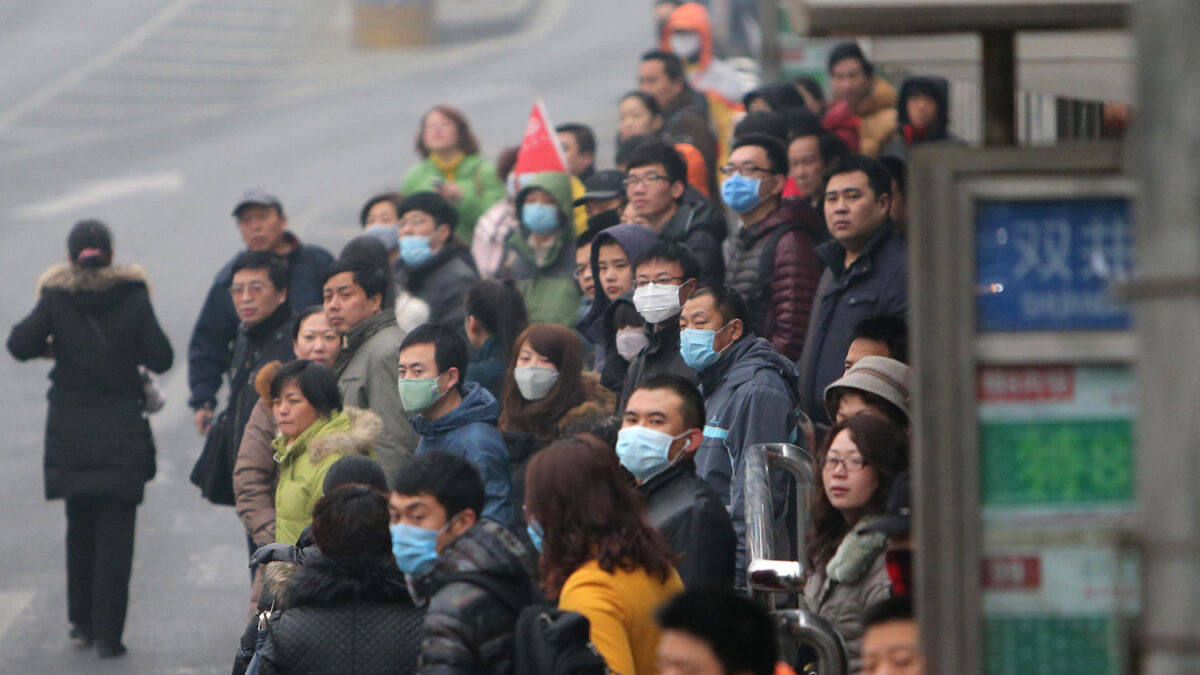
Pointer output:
x,y
547,641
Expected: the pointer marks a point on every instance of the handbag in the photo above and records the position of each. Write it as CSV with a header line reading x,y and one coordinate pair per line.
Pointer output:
x,y
153,398
213,471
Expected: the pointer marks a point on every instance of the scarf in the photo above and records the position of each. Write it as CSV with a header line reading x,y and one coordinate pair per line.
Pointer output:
x,y
449,168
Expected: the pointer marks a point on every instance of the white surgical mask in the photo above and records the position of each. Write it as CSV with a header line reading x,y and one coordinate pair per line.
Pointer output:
x,y
685,45
534,382
657,302
630,341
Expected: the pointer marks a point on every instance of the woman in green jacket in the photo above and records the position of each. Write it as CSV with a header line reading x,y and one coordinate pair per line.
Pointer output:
x,y
314,432
452,166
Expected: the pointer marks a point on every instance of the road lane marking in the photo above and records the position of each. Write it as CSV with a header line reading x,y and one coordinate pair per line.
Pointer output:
x,y
12,603
99,192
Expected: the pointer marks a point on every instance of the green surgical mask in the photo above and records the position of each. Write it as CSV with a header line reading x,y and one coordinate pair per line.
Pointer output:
x,y
417,394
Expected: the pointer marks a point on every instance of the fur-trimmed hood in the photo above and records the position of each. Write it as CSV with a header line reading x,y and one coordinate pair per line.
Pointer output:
x,y
262,380
325,582
74,279
856,554
358,440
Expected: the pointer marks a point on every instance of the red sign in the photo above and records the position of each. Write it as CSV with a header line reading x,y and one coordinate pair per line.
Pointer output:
x,y
1012,573
1026,385
540,149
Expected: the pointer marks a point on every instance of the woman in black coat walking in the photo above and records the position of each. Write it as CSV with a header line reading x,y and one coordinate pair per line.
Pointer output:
x,y
95,321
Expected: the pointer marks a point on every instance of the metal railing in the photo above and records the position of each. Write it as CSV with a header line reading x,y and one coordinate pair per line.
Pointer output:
x,y
769,570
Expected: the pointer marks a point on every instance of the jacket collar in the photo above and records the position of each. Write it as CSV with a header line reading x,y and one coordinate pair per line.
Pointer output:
x,y
279,317
855,554
834,256
672,474
365,330
712,376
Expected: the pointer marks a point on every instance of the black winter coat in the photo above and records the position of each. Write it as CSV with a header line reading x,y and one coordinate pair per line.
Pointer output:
x,y
98,326
696,524
256,346
344,617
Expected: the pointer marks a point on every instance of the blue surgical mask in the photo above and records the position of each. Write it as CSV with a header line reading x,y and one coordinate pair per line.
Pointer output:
x,y
644,452
740,193
696,348
539,218
415,547
414,249
536,534
388,234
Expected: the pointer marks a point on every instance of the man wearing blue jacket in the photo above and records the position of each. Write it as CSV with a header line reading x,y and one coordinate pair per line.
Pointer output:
x,y
749,397
263,227
453,416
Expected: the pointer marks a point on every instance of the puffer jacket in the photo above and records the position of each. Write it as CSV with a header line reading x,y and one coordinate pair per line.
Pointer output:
x,y
98,326
781,304
255,473
697,527
548,285
440,282
366,370
749,398
854,579
702,229
877,115
336,617
466,628
469,431
304,462
876,284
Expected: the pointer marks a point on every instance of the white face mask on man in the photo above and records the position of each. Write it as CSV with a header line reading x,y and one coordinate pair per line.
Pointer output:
x,y
657,302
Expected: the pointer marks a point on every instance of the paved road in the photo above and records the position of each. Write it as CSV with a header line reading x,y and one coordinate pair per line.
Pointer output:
x,y
154,118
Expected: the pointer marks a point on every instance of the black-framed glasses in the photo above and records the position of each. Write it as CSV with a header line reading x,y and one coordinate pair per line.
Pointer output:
x,y
638,181
745,169
660,281
850,464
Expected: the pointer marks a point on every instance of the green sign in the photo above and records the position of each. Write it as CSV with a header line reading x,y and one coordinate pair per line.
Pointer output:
x,y
1052,645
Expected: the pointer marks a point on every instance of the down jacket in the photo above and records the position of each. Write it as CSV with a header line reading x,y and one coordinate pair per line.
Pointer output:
x,y
344,617
851,581
98,326
255,473
304,462
780,304
468,630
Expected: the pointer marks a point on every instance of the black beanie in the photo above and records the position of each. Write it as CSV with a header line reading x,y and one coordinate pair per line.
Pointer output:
x,y
90,244
354,469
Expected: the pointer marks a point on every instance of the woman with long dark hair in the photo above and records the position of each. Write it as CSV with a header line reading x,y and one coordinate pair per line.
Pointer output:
x,y
859,461
599,554
495,318
94,319
452,166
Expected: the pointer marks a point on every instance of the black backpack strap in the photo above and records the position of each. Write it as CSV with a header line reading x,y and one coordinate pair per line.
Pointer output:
x,y
512,597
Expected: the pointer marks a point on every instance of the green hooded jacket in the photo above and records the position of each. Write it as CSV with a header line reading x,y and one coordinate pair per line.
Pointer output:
x,y
549,288
480,185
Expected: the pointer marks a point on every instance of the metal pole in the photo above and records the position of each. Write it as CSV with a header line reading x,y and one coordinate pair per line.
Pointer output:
x,y
1165,136
772,57
999,88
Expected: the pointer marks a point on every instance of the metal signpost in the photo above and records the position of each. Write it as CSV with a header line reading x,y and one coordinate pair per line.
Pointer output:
x,y
1023,447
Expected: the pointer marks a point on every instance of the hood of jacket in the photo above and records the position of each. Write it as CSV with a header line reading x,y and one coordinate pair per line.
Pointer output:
x,y
745,358
488,548
478,405
634,240
855,555
324,582
262,379
691,16
92,290
936,88
348,432
558,185
882,97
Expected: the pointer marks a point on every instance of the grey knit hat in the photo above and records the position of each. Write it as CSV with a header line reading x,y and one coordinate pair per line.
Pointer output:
x,y
886,378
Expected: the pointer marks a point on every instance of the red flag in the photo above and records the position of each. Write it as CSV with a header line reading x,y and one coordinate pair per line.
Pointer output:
x,y
540,149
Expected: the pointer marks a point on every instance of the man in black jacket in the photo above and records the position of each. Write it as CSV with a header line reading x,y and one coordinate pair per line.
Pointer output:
x,y
664,277
263,227
660,433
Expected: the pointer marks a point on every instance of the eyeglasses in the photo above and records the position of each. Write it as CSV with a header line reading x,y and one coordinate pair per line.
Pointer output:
x,y
850,464
638,181
745,169
660,281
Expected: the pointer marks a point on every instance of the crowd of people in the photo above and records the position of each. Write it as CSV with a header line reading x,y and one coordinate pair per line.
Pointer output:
x,y
534,391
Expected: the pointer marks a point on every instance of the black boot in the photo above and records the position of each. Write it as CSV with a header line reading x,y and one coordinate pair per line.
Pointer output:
x,y
108,650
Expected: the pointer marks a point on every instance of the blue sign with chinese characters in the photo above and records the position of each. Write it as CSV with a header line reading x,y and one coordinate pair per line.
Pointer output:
x,y
1049,265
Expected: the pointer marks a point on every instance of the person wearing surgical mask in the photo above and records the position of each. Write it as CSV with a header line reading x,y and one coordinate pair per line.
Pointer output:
x,y
663,277
540,254
660,433
749,397
438,534
434,267
380,218
773,263
452,415
544,384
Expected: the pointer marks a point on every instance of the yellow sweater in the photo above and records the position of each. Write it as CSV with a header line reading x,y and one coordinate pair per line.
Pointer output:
x,y
620,608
